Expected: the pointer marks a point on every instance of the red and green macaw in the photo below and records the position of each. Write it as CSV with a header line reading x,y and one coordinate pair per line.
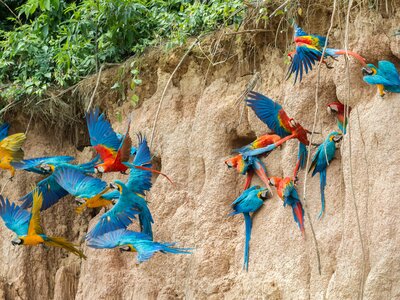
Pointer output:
x,y
273,115
385,77
340,110
10,149
286,190
27,226
131,241
248,202
320,162
309,48
112,150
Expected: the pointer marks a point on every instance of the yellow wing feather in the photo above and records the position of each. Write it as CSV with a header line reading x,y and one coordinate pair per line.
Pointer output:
x,y
34,223
11,146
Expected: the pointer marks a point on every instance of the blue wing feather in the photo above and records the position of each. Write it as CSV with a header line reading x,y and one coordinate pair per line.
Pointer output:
x,y
14,217
4,130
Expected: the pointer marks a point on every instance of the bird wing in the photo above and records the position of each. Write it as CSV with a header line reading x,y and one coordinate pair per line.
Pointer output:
x,y
15,217
116,238
51,192
270,112
139,180
89,166
34,223
78,184
4,130
33,163
390,71
377,79
102,137
303,60
11,146
124,150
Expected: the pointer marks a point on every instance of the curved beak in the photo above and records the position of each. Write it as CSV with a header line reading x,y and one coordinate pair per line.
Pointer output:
x,y
366,71
113,186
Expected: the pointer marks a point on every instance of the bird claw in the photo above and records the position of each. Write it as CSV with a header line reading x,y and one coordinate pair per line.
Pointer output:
x,y
11,178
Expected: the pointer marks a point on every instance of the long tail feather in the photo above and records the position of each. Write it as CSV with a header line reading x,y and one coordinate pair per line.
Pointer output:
x,y
322,184
248,225
155,171
249,177
351,53
298,214
63,243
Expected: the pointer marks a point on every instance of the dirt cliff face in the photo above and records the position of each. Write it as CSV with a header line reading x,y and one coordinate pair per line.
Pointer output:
x,y
196,131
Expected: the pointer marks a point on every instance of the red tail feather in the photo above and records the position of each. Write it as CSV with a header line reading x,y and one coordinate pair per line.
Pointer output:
x,y
298,210
355,55
155,171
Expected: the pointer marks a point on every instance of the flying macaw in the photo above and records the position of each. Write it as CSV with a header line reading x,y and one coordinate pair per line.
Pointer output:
x,y
249,202
10,149
309,48
287,192
385,77
51,191
131,241
35,164
123,213
320,161
273,115
27,226
340,110
112,150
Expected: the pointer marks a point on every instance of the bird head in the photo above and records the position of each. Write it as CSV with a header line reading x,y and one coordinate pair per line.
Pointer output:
x,y
99,169
117,185
47,167
336,107
264,194
336,137
127,248
17,242
233,161
291,54
80,201
369,70
273,181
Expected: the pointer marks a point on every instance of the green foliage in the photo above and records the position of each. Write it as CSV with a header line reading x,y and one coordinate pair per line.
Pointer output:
x,y
61,42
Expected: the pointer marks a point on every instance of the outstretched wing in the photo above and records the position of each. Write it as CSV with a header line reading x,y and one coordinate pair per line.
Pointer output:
x,y
32,165
15,217
78,184
139,180
34,222
51,192
124,151
303,60
116,238
270,112
4,130
102,136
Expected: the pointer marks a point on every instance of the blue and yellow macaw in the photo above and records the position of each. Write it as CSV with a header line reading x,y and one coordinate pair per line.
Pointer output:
x,y
27,226
37,165
131,241
273,115
10,149
320,161
51,191
112,150
249,202
309,48
123,213
385,77
89,191
286,190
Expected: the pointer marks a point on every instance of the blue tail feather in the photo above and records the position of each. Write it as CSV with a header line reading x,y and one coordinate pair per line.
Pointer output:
x,y
322,184
248,225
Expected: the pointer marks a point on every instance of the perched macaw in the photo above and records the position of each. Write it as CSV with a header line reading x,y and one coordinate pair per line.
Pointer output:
x,y
10,149
249,202
123,213
35,164
385,77
27,225
273,115
309,48
89,191
340,110
51,191
287,192
131,241
320,161
112,150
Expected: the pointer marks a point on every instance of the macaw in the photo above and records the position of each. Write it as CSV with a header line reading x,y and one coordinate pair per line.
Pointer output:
x,y
89,191
123,213
51,191
112,150
249,202
260,142
286,190
273,115
10,149
309,48
385,77
320,161
131,241
341,110
27,226
34,164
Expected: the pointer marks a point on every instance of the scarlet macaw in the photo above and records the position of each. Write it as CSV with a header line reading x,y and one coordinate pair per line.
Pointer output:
x,y
131,241
385,77
112,150
249,202
320,161
340,110
123,212
27,226
51,191
309,48
287,192
273,115
10,149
